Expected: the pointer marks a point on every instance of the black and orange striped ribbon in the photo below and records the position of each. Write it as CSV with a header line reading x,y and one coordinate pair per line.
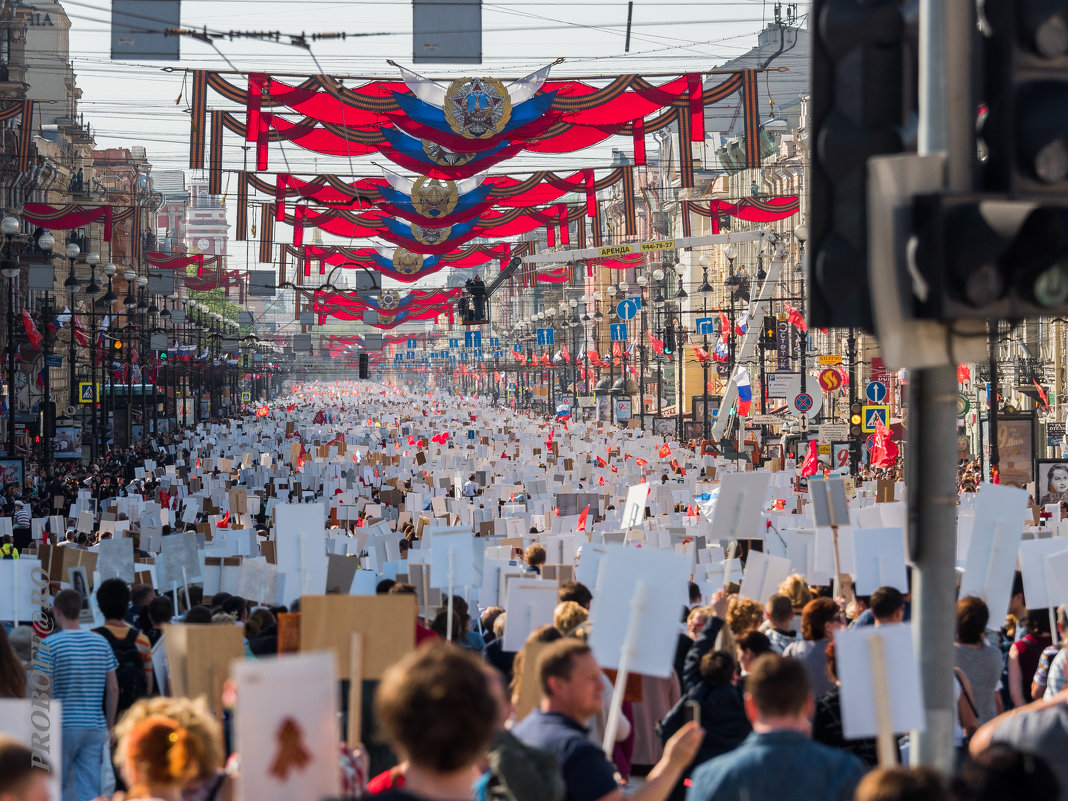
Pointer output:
x,y
751,109
198,120
216,154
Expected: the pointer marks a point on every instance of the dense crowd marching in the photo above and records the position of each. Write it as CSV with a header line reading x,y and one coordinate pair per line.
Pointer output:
x,y
751,708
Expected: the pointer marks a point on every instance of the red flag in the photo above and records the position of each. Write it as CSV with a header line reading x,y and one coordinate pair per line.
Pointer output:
x,y
795,318
594,357
1041,394
601,462
565,355
691,510
658,344
808,468
600,480
883,451
700,353
582,518
617,349
664,451
225,522
79,332
291,407
263,411
31,329
964,373
320,418
640,462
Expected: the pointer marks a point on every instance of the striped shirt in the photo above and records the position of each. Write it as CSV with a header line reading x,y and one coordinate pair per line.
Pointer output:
x,y
78,663
22,518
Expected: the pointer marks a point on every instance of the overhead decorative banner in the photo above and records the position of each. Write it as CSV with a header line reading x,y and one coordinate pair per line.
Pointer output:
x,y
73,215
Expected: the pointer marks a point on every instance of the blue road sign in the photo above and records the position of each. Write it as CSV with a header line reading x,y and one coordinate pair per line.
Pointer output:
x,y
495,342
627,309
472,339
454,343
618,332
706,325
803,402
875,392
545,336
412,344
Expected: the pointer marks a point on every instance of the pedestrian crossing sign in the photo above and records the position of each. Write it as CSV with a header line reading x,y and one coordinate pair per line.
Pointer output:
x,y
873,414
85,392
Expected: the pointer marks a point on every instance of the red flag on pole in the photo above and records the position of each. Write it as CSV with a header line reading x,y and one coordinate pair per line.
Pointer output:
x,y
664,451
811,463
31,330
883,451
582,518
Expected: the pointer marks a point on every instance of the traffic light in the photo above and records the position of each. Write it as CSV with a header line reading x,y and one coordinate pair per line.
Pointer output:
x,y
365,366
669,339
163,356
983,256
1026,96
117,344
856,419
767,334
864,91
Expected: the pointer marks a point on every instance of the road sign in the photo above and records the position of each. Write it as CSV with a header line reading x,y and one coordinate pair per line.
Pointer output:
x,y
85,392
473,339
869,443
830,380
706,326
618,332
875,392
767,420
831,432
246,397
830,360
627,309
962,405
545,336
803,402
872,414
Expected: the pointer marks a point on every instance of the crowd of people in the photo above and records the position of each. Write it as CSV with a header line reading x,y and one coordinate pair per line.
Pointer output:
x,y
751,710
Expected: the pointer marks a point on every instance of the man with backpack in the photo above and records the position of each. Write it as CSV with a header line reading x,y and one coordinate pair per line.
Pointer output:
x,y
7,550
132,649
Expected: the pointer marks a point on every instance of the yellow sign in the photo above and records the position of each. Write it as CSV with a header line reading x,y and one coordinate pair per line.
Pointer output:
x,y
663,244
614,250
831,361
85,392
873,414
825,450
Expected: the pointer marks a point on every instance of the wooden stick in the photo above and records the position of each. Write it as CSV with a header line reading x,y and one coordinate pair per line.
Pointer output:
x,y
884,726
355,690
630,647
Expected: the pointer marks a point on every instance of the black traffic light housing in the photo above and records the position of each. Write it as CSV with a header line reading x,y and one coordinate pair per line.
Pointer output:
x,y
669,339
864,100
856,419
365,366
983,257
1025,126
768,334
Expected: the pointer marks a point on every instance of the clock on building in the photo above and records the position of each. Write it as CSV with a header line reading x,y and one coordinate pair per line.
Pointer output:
x,y
203,243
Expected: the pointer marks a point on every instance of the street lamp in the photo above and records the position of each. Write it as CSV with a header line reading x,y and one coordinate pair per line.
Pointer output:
x,y
680,271
9,266
92,291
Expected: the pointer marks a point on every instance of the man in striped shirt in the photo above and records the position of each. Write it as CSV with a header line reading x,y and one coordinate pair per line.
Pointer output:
x,y
21,525
82,668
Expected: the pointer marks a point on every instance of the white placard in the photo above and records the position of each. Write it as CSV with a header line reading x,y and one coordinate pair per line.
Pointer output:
x,y
852,656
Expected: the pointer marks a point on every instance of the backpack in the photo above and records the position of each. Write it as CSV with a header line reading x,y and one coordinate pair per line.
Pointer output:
x,y
7,551
131,670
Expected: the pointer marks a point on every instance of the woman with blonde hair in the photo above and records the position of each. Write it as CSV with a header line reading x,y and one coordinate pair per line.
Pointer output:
x,y
207,782
797,590
160,757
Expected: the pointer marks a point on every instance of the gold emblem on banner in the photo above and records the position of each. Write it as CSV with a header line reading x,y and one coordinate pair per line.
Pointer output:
x,y
444,157
477,108
389,299
430,236
406,262
432,197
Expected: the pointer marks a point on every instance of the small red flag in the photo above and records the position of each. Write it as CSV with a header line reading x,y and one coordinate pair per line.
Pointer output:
x,y
582,518
664,451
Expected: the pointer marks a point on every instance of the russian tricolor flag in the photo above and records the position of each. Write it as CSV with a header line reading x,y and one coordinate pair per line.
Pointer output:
x,y
745,390
563,413
742,324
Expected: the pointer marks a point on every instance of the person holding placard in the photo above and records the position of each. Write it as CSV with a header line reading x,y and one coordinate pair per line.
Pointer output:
x,y
976,658
820,619
572,690
82,669
778,761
